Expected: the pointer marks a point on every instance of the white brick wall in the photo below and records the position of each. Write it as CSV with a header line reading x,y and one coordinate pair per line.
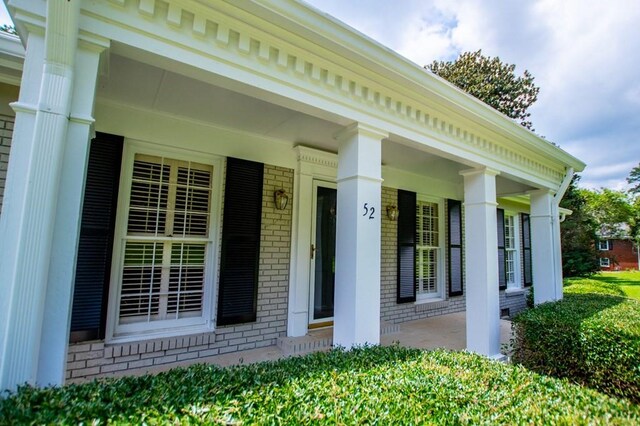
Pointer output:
x,y
6,133
94,359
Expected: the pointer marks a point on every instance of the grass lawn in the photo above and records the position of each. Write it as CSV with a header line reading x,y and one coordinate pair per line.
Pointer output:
x,y
377,385
625,284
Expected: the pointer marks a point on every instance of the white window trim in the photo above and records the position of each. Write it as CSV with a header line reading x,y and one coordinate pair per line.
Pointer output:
x,y
607,246
440,294
168,328
605,262
517,279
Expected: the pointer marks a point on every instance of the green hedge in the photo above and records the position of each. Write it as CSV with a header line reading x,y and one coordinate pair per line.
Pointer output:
x,y
376,385
592,337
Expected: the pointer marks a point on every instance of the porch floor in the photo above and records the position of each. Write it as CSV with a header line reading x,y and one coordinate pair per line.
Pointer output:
x,y
444,331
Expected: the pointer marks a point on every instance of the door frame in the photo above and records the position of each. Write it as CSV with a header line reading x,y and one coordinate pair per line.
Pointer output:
x,y
316,323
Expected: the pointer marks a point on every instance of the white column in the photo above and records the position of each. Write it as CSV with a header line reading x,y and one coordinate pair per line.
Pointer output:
x,y
27,231
357,288
481,262
59,298
543,247
557,249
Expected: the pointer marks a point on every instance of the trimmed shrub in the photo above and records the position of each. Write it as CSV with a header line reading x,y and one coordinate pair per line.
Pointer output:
x,y
592,337
375,385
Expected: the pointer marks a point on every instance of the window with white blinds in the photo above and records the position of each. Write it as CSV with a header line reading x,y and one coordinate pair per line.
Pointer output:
x,y
511,246
165,246
428,249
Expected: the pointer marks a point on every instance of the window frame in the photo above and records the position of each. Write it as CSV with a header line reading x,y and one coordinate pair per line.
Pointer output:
x,y
116,332
440,279
606,243
608,262
517,250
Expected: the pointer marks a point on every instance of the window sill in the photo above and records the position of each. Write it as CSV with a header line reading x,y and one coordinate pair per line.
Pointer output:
x,y
159,335
430,300
512,292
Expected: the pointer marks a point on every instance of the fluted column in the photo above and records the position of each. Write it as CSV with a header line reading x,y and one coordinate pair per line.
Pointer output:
x,y
29,212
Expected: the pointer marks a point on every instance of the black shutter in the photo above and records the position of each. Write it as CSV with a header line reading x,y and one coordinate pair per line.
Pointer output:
x,y
240,256
93,266
406,246
502,259
454,227
526,249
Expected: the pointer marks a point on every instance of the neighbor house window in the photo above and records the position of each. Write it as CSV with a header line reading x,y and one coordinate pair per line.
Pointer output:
x,y
603,245
162,280
429,239
512,245
605,262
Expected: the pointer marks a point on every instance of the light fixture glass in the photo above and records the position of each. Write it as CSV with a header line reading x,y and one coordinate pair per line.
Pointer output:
x,y
281,199
393,212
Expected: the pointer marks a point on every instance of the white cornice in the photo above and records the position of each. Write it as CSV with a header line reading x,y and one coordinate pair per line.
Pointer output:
x,y
290,49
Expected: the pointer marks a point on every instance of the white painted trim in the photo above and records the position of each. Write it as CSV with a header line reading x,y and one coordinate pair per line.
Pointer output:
x,y
206,323
517,242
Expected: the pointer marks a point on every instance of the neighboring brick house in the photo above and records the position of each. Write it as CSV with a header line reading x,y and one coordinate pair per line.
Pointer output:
x,y
192,178
618,254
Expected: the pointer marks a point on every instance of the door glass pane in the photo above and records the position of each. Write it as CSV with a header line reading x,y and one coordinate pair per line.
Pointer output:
x,y
325,255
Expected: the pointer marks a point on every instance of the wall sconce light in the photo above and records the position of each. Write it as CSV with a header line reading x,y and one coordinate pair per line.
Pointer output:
x,y
393,212
281,198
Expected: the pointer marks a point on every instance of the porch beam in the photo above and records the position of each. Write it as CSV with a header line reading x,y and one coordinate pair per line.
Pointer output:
x,y
28,221
357,269
481,262
545,247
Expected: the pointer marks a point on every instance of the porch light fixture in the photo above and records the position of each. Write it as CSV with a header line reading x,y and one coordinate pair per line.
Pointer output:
x,y
393,212
281,198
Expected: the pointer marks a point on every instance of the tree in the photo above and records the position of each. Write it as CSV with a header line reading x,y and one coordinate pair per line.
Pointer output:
x,y
9,29
611,210
634,178
492,81
578,234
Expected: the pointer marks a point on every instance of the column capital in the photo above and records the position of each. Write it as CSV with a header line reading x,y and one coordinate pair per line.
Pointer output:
x,y
360,129
479,170
540,192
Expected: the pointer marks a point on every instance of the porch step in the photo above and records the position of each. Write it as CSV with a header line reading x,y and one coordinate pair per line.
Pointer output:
x,y
320,340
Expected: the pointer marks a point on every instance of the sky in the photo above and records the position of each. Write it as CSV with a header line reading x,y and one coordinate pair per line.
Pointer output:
x,y
584,55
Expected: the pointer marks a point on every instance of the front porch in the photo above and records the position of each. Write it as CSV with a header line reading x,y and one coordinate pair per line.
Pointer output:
x,y
442,331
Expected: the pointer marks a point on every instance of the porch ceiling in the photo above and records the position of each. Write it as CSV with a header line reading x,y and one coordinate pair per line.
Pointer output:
x,y
136,79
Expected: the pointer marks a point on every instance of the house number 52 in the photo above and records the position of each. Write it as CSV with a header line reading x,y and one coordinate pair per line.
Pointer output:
x,y
368,210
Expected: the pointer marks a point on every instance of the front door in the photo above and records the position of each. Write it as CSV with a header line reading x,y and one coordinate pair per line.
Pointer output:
x,y
323,254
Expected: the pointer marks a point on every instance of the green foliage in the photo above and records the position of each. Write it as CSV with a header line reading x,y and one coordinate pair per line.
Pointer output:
x,y
578,235
634,179
592,337
493,82
10,29
611,210
374,385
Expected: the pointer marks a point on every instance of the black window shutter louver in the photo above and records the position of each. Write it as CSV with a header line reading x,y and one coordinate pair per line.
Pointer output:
x,y
93,266
406,247
502,259
454,227
526,249
240,255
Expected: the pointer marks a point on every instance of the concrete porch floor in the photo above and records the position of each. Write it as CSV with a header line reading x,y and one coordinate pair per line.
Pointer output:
x,y
444,331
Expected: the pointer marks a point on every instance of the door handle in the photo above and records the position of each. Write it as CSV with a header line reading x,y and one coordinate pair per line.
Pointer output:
x,y
313,251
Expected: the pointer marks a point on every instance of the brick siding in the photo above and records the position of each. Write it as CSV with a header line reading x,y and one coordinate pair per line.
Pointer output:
x,y
6,134
88,360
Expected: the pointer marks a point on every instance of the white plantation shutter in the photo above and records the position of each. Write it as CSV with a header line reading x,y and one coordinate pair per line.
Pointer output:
x,y
166,242
427,247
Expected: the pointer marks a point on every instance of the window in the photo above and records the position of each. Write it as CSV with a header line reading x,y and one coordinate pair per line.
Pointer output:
x,y
512,246
429,276
605,262
603,245
165,237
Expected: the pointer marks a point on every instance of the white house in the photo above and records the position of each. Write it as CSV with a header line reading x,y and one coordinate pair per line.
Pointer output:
x,y
195,177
